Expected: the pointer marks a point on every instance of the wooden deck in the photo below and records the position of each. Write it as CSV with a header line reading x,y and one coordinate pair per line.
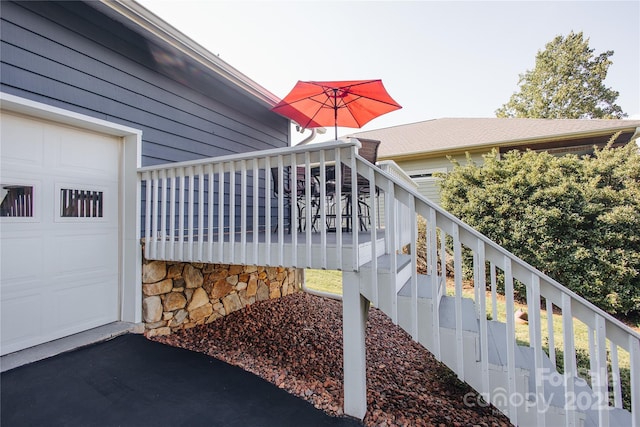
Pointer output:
x,y
330,251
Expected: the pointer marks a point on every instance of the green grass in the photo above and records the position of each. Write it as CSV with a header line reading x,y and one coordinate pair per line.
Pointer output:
x,y
324,280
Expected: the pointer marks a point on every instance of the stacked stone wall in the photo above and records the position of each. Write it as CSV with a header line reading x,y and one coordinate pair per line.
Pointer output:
x,y
178,295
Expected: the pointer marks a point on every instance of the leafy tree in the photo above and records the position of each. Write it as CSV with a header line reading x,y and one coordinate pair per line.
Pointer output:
x,y
575,219
567,82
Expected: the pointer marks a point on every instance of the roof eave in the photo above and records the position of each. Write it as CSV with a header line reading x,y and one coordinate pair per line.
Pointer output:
x,y
143,17
513,142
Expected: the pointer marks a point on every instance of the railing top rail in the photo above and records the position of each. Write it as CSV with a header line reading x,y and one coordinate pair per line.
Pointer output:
x,y
420,199
320,146
391,165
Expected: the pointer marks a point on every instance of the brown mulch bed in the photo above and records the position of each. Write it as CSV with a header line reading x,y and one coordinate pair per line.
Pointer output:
x,y
295,342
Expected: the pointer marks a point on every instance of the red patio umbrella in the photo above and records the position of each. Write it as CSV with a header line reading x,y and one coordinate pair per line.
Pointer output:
x,y
350,103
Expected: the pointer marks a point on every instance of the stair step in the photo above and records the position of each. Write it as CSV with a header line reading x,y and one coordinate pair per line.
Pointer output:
x,y
497,336
424,287
448,314
384,262
586,401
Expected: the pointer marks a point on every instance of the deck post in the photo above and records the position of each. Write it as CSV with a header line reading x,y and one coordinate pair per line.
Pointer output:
x,y
355,309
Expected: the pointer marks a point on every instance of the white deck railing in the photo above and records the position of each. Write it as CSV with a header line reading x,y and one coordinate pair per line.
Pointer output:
x,y
230,210
251,209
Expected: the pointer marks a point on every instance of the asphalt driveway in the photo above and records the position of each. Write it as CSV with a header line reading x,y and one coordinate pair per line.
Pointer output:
x,y
131,381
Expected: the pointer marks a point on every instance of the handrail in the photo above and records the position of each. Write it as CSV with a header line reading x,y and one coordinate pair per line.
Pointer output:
x,y
394,169
296,149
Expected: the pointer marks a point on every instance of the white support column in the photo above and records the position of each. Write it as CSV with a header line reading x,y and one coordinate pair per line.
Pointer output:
x,y
355,310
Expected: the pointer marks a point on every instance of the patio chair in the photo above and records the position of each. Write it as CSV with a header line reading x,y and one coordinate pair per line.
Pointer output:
x,y
300,195
368,150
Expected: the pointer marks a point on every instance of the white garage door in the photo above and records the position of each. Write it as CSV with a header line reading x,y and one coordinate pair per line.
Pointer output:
x,y
59,230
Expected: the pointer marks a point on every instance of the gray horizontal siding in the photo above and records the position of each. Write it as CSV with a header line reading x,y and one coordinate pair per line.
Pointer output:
x,y
70,56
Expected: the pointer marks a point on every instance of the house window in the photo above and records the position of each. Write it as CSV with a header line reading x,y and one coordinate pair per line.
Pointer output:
x,y
81,203
17,201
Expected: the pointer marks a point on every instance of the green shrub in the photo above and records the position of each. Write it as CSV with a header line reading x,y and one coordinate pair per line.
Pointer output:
x,y
575,219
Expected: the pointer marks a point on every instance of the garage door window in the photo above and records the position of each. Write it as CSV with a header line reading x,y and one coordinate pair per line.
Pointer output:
x,y
81,203
17,201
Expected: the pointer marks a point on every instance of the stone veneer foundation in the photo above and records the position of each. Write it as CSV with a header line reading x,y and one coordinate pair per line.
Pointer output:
x,y
179,295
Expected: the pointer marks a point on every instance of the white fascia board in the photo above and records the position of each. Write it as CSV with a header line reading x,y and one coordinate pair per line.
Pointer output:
x,y
144,18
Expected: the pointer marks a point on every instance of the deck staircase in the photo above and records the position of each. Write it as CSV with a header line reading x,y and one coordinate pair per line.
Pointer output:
x,y
219,211
512,390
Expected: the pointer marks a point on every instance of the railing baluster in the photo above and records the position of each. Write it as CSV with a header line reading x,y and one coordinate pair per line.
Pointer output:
x,y
232,212
172,213
457,275
390,219
414,272
634,361
323,214
511,339
373,234
256,210
616,384
268,193
550,331
338,205
181,174
210,212
600,378
163,214
480,279
243,211
281,211
294,220
154,214
190,218
355,209
308,208
494,291
221,204
443,262
201,191
570,371
477,295
535,333
435,293
529,291
147,215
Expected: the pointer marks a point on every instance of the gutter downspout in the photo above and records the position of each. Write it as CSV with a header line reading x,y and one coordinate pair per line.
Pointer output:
x,y
314,132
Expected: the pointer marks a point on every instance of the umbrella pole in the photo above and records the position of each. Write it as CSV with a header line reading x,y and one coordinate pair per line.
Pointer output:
x,y
335,112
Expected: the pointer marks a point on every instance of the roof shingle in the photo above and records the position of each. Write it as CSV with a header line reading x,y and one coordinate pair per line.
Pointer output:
x,y
450,134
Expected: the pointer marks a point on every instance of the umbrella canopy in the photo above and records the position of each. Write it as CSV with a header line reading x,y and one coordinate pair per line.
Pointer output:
x,y
350,103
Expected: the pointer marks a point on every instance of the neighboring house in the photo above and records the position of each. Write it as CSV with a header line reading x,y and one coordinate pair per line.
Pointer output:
x,y
90,92
422,149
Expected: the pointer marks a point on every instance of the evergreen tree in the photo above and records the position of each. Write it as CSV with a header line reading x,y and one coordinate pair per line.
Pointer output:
x,y
567,82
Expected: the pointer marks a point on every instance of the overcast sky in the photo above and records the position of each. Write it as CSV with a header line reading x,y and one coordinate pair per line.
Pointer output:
x,y
436,58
